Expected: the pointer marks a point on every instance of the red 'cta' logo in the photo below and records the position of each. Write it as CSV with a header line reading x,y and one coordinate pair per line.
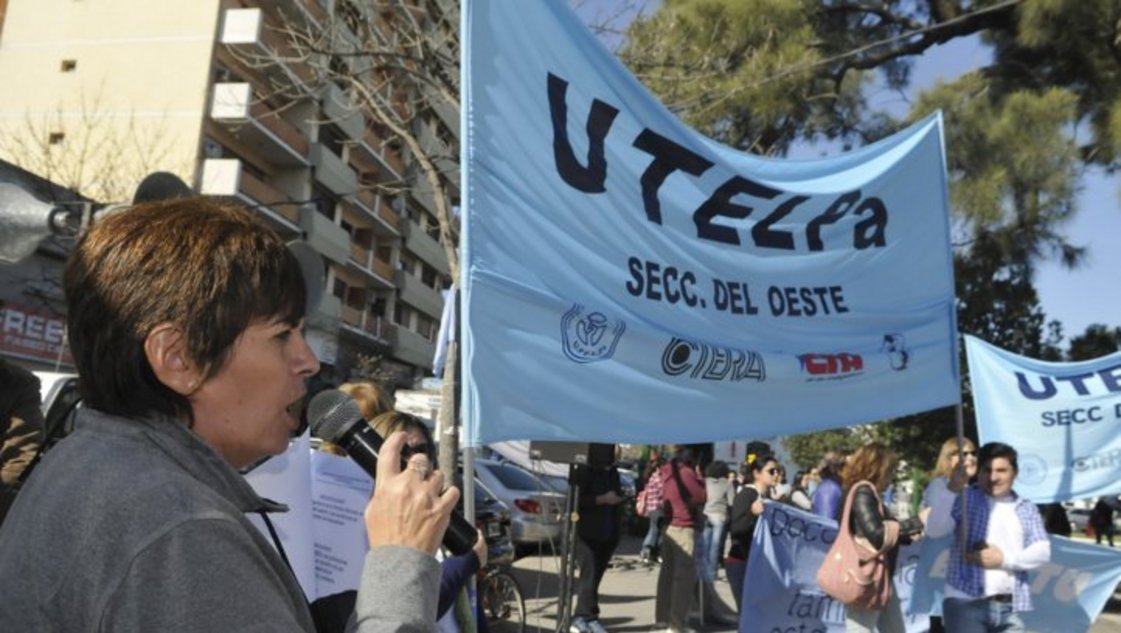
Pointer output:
x,y
824,366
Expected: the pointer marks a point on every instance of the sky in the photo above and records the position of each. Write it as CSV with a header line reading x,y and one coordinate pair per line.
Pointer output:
x,y
1077,298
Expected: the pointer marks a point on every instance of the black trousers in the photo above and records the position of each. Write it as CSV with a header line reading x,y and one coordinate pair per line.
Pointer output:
x,y
592,558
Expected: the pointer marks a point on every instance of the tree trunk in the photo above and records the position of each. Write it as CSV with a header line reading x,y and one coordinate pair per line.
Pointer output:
x,y
449,416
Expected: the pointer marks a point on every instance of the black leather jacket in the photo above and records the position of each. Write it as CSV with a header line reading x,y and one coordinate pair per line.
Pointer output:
x,y
866,520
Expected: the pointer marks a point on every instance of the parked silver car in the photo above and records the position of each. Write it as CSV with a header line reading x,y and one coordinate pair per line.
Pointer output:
x,y
535,507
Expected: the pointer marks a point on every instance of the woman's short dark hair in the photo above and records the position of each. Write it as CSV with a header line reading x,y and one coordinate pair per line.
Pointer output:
x,y
209,269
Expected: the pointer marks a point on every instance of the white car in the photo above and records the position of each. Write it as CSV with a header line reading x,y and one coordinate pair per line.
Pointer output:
x,y
535,507
59,393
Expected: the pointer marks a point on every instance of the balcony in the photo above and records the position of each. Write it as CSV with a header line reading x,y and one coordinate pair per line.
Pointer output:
x,y
360,255
383,268
389,216
352,316
253,124
410,346
247,31
375,275
412,291
371,204
365,324
440,153
424,247
327,315
339,109
325,236
225,177
332,172
372,154
316,10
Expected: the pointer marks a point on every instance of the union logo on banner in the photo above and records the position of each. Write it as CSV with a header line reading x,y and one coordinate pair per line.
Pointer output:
x,y
585,335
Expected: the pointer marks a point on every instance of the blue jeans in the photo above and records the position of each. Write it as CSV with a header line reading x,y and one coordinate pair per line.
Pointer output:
x,y
653,534
979,616
710,547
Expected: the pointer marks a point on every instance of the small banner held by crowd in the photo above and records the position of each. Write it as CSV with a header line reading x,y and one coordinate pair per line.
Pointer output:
x,y
1068,593
781,593
1061,417
628,280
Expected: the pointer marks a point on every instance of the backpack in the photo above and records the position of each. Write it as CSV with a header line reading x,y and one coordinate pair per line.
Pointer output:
x,y
652,494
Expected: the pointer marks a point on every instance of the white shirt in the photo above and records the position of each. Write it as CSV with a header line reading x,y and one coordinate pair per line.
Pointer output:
x,y
1003,532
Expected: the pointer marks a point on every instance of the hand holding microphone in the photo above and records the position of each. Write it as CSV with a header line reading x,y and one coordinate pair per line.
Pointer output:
x,y
408,508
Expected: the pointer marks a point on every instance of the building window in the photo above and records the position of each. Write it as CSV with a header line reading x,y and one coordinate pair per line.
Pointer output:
x,y
324,202
406,263
69,65
351,16
377,308
331,138
54,138
340,288
340,72
401,314
425,327
356,298
428,276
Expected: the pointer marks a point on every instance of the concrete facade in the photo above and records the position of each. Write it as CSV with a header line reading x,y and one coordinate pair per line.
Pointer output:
x,y
182,87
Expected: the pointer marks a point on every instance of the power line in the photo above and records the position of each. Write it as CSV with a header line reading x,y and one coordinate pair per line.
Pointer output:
x,y
895,38
784,72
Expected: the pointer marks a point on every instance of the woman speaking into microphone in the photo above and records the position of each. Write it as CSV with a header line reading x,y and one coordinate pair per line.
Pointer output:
x,y
185,323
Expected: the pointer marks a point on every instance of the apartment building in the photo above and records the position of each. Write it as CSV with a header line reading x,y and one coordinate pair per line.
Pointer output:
x,y
224,94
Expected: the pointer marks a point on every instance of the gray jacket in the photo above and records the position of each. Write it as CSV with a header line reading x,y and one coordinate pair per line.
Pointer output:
x,y
138,525
719,494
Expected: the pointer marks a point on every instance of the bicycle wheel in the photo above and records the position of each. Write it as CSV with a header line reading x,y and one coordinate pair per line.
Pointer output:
x,y
502,603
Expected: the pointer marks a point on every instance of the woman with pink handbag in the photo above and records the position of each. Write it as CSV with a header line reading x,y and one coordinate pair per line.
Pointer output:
x,y
859,566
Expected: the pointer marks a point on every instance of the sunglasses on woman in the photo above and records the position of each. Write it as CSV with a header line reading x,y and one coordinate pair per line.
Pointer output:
x,y
420,449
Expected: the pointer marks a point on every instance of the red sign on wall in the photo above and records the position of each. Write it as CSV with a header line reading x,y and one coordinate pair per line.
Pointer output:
x,y
25,331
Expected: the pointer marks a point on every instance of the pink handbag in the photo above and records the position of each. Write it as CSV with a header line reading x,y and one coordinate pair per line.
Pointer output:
x,y
852,572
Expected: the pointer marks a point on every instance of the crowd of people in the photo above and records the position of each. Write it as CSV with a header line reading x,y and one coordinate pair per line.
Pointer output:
x,y
710,513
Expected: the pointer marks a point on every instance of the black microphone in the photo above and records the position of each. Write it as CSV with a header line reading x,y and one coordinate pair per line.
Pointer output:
x,y
335,418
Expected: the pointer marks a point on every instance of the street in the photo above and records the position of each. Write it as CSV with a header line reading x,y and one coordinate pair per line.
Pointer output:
x,y
627,595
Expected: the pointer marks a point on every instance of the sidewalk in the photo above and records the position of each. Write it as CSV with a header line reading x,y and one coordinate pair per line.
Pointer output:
x,y
627,595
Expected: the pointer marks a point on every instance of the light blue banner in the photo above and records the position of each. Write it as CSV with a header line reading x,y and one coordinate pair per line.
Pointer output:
x,y
628,280
1062,418
781,591
1067,593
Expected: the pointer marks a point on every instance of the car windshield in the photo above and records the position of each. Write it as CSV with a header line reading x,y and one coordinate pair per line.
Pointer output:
x,y
482,495
514,478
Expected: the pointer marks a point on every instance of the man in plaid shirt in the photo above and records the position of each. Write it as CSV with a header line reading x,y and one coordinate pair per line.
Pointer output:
x,y
987,585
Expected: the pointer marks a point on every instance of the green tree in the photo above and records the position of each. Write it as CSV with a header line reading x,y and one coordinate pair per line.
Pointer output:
x,y
761,75
807,449
1098,340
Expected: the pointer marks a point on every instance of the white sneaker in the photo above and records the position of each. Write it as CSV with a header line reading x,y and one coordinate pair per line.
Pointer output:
x,y
579,625
594,626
